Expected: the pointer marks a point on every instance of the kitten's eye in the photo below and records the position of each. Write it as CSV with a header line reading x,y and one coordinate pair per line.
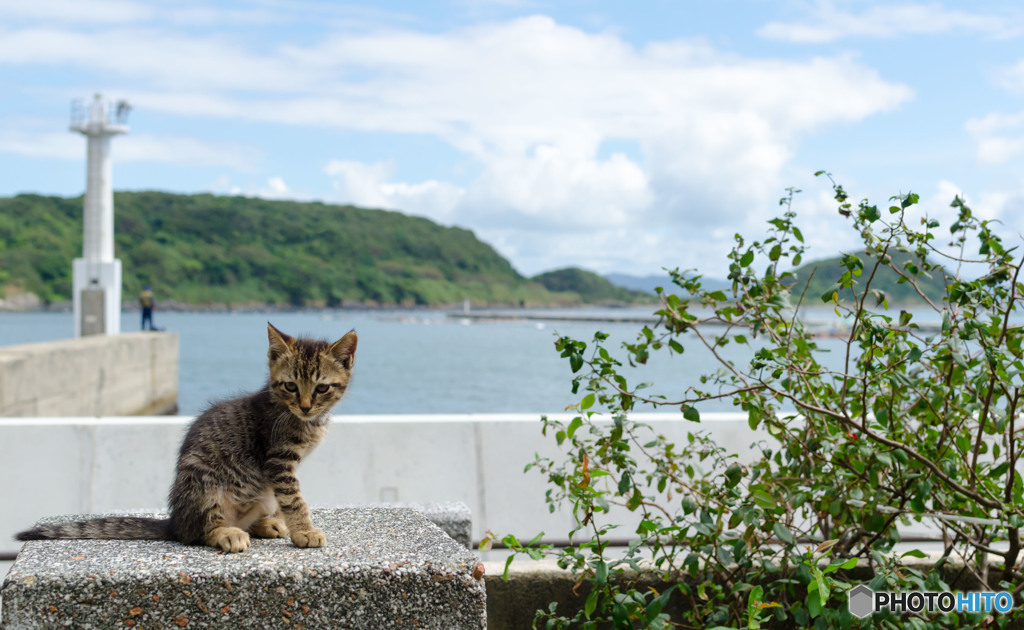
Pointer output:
x,y
291,387
322,388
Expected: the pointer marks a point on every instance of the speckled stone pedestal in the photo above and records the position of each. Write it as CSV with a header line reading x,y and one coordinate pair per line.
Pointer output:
x,y
453,517
380,568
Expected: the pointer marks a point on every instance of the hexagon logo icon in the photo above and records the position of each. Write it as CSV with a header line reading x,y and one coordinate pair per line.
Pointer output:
x,y
861,601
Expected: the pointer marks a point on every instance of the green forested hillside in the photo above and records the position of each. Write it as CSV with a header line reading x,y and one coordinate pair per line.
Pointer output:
x,y
237,250
827,272
590,286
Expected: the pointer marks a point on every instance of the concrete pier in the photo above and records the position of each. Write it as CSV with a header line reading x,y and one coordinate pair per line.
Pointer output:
x,y
380,568
98,375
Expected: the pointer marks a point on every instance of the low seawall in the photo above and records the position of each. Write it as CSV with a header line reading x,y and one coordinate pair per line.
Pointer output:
x,y
99,375
94,465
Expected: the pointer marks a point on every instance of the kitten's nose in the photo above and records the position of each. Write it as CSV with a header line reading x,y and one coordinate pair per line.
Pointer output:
x,y
305,409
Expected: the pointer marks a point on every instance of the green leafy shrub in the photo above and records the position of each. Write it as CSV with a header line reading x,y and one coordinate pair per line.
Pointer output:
x,y
916,421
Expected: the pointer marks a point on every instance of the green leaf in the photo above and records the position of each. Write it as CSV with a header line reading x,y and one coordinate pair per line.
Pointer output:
x,y
625,483
600,573
784,534
691,414
753,602
753,418
764,499
914,553
871,213
635,500
822,586
732,475
814,605
832,293
588,401
999,470
646,527
591,605
576,423
747,258
575,361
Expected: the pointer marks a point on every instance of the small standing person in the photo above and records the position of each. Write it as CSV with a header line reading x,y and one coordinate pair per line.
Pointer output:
x,y
146,301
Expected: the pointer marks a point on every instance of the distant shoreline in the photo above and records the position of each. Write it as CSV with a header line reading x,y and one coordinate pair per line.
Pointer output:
x,y
172,306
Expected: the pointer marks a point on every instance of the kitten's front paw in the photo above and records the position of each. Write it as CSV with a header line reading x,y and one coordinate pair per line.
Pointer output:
x,y
310,538
230,539
269,528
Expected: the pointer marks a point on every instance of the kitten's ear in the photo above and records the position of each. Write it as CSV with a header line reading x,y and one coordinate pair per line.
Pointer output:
x,y
280,343
344,349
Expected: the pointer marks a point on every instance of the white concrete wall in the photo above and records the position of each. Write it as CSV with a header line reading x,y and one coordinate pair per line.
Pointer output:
x,y
56,466
99,375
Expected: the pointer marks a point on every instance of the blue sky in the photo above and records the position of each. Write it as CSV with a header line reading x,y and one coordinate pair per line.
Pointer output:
x,y
615,136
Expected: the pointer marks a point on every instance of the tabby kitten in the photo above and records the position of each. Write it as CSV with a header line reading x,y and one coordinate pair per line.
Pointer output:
x,y
236,468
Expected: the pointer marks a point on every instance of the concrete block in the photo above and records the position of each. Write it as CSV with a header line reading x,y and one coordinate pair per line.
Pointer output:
x,y
453,517
380,568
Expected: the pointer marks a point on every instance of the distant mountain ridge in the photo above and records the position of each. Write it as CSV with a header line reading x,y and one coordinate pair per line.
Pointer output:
x,y
817,277
813,279
589,285
649,283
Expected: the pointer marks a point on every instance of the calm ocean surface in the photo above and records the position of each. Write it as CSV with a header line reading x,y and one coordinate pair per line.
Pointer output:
x,y
408,361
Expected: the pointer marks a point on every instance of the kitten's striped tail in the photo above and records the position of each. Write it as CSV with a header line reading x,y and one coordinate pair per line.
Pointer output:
x,y
111,527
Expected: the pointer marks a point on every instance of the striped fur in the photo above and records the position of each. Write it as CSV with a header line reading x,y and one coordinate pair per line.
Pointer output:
x,y
236,467
139,528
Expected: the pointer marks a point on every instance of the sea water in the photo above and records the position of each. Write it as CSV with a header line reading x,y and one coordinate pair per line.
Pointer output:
x,y
407,362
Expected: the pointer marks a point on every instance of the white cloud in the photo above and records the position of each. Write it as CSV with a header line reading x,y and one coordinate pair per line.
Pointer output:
x,y
91,12
134,147
182,150
552,187
277,186
829,23
999,137
531,102
172,60
1006,205
63,146
1012,78
273,187
370,185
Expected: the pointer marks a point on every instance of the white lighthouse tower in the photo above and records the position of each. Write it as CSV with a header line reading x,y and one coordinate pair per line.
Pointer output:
x,y
96,276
